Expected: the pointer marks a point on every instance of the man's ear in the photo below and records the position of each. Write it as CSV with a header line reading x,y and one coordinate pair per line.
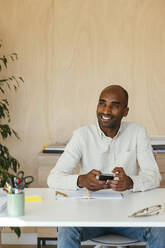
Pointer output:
x,y
126,111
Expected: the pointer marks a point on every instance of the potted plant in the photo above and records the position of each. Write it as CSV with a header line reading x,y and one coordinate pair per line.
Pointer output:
x,y
8,164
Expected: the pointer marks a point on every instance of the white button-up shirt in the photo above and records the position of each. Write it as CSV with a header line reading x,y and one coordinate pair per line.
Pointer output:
x,y
129,149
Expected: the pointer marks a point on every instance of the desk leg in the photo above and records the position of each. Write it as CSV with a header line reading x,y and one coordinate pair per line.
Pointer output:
x,y
38,243
0,236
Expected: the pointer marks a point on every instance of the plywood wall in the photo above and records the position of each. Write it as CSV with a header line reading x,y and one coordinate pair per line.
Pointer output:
x,y
68,51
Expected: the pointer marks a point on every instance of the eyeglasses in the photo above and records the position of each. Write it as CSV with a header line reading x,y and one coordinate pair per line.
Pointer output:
x,y
149,211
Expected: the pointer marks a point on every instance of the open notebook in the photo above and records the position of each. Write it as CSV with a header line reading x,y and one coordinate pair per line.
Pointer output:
x,y
85,194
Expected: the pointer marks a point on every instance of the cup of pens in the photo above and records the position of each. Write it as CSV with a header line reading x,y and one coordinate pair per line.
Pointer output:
x,y
15,189
15,204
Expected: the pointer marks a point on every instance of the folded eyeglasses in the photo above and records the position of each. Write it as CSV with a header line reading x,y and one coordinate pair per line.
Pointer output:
x,y
149,211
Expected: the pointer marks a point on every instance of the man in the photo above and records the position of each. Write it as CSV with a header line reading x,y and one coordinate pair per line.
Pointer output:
x,y
108,146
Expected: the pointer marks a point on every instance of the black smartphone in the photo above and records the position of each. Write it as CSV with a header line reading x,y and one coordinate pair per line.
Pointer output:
x,y
105,177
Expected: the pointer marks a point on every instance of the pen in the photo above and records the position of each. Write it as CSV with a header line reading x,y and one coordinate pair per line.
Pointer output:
x,y
8,188
5,190
88,193
61,193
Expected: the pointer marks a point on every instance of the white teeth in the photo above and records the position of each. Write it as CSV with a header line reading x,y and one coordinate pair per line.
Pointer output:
x,y
106,118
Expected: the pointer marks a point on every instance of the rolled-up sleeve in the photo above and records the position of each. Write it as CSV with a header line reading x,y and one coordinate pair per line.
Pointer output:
x,y
61,176
149,176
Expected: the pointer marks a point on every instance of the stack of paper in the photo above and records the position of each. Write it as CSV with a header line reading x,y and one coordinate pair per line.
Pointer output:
x,y
3,200
84,194
158,144
56,148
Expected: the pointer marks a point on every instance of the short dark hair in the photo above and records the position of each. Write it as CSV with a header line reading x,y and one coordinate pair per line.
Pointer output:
x,y
124,91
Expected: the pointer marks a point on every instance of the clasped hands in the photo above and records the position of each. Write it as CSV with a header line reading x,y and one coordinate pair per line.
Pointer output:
x,y
90,182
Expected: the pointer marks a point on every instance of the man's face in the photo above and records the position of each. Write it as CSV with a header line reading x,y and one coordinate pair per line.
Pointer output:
x,y
111,108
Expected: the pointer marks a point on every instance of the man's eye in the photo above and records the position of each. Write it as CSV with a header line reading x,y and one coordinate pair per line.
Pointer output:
x,y
102,103
116,106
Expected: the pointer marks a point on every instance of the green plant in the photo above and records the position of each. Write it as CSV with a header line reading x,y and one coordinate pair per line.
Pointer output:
x,y
8,164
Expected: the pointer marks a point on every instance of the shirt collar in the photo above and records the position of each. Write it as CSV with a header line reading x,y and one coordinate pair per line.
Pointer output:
x,y
102,134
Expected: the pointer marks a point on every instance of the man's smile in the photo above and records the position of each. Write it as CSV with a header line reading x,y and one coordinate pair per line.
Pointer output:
x,y
105,117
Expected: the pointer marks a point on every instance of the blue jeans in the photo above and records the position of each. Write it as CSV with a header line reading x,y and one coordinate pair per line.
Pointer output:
x,y
71,237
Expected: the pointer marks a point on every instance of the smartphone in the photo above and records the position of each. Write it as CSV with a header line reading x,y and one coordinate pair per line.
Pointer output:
x,y
105,177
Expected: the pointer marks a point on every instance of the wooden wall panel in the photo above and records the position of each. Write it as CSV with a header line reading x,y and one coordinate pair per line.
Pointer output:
x,y
68,51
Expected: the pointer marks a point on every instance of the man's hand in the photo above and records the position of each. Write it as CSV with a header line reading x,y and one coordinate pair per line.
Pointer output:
x,y
90,182
124,182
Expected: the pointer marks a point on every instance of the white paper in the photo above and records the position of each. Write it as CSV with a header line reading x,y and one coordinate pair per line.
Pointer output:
x,y
83,194
157,140
3,200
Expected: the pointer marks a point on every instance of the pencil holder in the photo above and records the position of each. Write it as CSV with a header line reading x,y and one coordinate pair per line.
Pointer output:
x,y
15,204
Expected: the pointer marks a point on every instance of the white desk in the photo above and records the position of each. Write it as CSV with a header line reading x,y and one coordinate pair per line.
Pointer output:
x,y
51,212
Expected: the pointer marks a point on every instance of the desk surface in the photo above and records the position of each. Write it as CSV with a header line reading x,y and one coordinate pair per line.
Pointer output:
x,y
87,212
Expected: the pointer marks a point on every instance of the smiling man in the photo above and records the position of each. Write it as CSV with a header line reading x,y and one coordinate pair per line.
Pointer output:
x,y
112,106
109,146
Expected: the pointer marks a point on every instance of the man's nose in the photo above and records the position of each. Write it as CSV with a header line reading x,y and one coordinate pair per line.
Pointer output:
x,y
107,110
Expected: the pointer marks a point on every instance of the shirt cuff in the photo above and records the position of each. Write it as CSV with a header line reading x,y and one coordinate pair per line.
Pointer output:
x,y
137,186
71,182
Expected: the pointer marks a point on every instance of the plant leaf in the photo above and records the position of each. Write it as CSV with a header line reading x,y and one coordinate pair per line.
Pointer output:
x,y
17,231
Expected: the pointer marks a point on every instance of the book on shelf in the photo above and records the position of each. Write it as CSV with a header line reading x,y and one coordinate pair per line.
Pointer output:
x,y
158,148
54,148
158,144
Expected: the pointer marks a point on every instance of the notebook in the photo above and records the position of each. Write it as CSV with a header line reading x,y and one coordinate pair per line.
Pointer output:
x,y
84,194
